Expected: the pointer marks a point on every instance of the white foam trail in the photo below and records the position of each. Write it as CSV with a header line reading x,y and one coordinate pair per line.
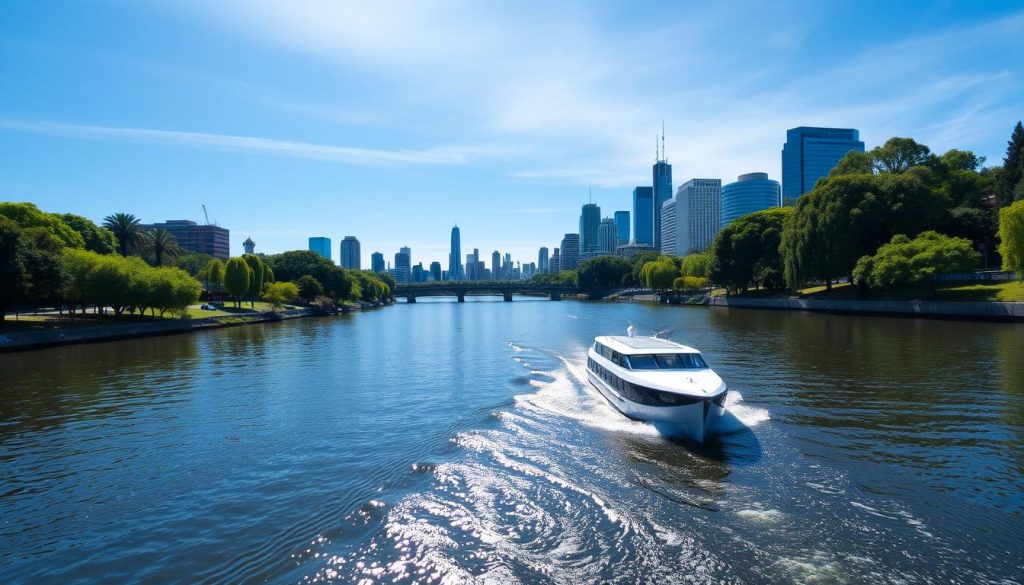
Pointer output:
x,y
756,515
742,417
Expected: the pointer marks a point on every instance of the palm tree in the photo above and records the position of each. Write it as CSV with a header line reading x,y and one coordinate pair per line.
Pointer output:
x,y
158,244
128,230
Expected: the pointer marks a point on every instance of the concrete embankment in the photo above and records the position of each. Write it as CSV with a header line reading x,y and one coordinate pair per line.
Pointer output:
x,y
970,310
22,340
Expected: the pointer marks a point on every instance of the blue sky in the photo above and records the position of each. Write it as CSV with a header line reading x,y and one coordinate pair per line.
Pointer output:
x,y
390,121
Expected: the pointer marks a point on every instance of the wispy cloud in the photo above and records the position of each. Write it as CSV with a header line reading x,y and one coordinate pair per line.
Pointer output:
x,y
326,152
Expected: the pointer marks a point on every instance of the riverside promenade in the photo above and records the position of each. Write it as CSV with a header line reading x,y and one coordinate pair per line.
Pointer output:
x,y
38,339
972,310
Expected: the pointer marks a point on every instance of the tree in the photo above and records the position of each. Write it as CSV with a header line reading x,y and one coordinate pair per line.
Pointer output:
x,y
79,265
237,278
747,251
854,163
1012,175
698,265
689,283
214,275
1011,237
193,262
848,216
310,288
159,245
259,276
898,155
127,229
904,260
638,261
97,239
14,280
278,293
27,215
116,281
660,273
603,271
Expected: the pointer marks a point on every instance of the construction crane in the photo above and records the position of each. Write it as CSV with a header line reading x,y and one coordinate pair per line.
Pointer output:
x,y
206,215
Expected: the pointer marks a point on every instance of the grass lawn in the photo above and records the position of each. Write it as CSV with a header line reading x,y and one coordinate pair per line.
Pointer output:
x,y
944,291
30,322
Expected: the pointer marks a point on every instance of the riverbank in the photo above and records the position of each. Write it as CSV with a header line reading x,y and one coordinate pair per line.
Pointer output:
x,y
966,310
84,332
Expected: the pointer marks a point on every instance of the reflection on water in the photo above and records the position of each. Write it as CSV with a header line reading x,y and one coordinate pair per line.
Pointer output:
x,y
446,442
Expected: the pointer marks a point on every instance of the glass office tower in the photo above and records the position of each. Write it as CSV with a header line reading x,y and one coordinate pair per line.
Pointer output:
x,y
321,246
751,192
810,153
622,227
643,215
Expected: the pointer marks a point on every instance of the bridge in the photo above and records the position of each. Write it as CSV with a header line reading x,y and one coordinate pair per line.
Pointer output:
x,y
459,289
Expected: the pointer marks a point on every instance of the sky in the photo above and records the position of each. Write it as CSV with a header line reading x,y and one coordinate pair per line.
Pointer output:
x,y
392,121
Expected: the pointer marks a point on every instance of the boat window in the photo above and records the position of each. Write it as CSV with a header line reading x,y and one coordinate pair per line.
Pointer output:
x,y
642,362
680,361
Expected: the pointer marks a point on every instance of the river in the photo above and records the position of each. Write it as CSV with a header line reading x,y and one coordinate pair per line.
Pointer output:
x,y
447,442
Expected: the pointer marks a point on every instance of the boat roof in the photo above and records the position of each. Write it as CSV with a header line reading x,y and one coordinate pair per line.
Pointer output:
x,y
643,345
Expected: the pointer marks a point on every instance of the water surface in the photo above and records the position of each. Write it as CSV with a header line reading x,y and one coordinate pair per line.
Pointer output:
x,y
446,442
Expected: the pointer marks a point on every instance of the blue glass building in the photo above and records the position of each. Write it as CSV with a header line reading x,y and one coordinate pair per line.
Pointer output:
x,y
455,258
810,153
643,215
590,221
321,246
377,262
662,193
751,192
622,227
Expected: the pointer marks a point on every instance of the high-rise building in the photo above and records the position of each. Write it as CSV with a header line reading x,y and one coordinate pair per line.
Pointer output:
x,y
622,227
590,221
696,210
403,265
670,227
496,266
350,253
249,246
377,262
435,270
471,265
606,236
455,257
192,237
662,175
643,215
570,252
810,153
321,246
543,262
418,273
751,192
556,261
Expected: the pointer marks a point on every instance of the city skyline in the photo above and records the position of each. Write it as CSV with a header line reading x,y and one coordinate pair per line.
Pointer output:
x,y
219,108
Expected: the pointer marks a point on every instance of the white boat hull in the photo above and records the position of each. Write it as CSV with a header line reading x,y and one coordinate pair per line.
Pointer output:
x,y
697,421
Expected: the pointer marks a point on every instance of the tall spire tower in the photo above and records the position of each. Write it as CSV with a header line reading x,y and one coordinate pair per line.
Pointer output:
x,y
662,183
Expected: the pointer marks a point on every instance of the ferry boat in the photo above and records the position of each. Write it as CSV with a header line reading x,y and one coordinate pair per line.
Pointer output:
x,y
657,380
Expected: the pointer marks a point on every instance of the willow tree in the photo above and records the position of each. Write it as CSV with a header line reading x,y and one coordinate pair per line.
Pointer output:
x,y
237,278
1011,237
259,277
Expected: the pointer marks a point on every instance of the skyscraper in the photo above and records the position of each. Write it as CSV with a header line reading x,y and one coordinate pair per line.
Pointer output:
x,y
670,227
192,237
570,252
496,265
350,253
556,261
751,192
377,262
606,236
471,265
435,270
590,221
622,227
662,174
249,246
810,153
403,265
697,209
455,257
543,261
643,215
321,246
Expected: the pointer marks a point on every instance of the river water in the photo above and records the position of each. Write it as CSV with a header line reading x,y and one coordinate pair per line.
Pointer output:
x,y
446,442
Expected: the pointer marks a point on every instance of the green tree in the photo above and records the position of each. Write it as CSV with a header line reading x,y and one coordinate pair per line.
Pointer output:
x,y
14,279
116,281
79,265
1011,237
237,278
904,260
214,276
898,155
689,283
603,271
848,216
659,274
310,288
747,251
97,239
1011,178
159,245
698,265
854,163
259,276
27,215
193,262
278,293
638,261
127,229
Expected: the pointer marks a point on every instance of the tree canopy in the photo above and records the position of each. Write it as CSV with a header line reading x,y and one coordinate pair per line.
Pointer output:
x,y
603,271
128,230
27,215
237,278
1011,237
97,239
904,260
747,251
